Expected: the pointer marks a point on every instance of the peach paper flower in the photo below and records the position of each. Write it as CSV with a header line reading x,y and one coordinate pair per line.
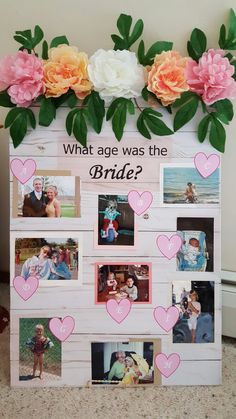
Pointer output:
x,y
65,69
22,74
166,78
212,77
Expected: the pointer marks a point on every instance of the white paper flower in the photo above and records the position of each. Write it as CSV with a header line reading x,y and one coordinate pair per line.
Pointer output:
x,y
116,74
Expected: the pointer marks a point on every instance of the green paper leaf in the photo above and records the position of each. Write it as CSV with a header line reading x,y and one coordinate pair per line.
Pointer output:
x,y
38,35
157,48
45,50
80,127
96,110
12,115
59,40
119,42
232,26
142,127
217,136
47,112
145,93
119,121
26,34
130,107
185,97
5,100
185,113
16,119
225,111
126,39
72,100
137,32
141,52
191,51
124,24
222,36
70,121
154,123
31,118
23,41
203,128
198,41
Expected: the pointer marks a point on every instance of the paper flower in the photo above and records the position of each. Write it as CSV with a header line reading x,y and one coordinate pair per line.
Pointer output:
x,y
65,69
116,74
22,74
211,77
166,78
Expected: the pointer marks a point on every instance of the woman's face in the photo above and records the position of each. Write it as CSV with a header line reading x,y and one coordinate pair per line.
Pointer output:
x,y
50,194
130,282
120,357
193,297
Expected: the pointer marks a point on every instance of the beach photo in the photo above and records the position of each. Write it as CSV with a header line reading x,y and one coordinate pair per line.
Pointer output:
x,y
47,196
183,185
123,363
115,221
48,258
195,301
39,351
119,281
197,250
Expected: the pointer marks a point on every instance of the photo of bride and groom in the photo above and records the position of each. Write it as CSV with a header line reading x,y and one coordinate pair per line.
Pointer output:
x,y
48,196
47,259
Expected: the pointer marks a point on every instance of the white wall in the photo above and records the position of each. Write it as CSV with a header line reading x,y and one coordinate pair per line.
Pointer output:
x,y
89,25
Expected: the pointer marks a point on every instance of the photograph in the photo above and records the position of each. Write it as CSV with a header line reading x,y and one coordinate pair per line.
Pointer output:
x,y
197,250
47,258
47,196
123,363
183,185
115,221
39,351
120,281
195,301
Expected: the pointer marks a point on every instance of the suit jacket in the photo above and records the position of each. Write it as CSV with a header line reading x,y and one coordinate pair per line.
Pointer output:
x,y
34,207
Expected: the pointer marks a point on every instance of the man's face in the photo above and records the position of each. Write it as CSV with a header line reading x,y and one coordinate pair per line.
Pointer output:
x,y
38,185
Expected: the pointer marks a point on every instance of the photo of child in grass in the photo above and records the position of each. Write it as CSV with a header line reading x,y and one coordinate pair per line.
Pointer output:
x,y
47,258
39,351
48,197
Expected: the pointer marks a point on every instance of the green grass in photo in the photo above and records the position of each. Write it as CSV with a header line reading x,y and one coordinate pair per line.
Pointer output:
x,y
68,210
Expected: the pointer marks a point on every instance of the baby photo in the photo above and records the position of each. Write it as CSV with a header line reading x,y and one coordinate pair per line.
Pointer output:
x,y
39,351
115,221
123,363
47,258
195,302
120,281
183,185
197,250
47,196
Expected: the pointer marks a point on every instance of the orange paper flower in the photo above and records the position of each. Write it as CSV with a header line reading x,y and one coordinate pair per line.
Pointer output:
x,y
166,78
65,69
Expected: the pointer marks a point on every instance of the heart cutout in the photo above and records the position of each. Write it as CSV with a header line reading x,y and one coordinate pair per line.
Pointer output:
x,y
167,365
166,317
206,165
23,171
169,246
118,310
140,202
25,287
62,328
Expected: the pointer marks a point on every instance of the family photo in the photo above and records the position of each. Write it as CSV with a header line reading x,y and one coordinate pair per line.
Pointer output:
x,y
122,363
195,302
120,281
48,197
115,221
197,250
39,351
182,185
47,258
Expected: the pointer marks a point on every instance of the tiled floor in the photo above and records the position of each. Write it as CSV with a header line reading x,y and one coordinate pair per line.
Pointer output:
x,y
102,403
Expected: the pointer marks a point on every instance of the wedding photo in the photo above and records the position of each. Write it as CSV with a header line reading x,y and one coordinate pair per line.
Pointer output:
x,y
115,221
197,250
48,196
183,185
47,258
195,301
123,363
120,281
39,351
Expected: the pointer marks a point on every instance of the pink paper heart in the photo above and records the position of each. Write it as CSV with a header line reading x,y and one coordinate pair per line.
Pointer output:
x,y
25,287
169,246
23,171
118,310
206,165
140,202
62,328
166,317
167,365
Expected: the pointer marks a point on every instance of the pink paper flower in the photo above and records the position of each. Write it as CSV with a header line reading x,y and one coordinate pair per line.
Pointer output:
x,y
211,77
22,74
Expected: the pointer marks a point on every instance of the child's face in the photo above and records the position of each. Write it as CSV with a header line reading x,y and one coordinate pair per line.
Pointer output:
x,y
128,362
130,282
193,296
39,332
